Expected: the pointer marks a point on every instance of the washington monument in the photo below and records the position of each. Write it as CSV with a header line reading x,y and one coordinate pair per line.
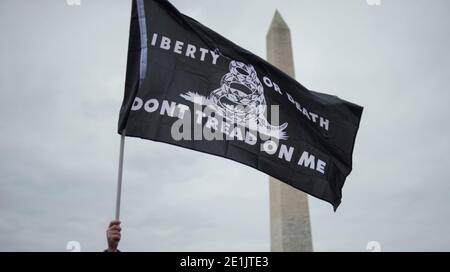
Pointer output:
x,y
290,227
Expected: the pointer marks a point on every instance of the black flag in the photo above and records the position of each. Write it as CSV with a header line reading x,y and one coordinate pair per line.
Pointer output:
x,y
188,86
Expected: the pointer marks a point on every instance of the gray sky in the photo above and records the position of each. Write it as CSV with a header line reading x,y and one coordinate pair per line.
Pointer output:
x,y
62,71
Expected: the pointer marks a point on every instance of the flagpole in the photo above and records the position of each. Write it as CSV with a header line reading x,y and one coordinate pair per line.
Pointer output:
x,y
119,175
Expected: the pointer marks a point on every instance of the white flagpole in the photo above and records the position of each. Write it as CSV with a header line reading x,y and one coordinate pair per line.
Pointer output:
x,y
119,175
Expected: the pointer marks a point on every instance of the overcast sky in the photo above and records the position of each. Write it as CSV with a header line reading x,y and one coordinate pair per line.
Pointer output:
x,y
62,71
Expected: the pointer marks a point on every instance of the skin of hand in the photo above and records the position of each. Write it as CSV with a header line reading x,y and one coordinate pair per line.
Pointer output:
x,y
113,235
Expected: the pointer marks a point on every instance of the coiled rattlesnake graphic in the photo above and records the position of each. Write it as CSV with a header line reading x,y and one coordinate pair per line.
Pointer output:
x,y
240,100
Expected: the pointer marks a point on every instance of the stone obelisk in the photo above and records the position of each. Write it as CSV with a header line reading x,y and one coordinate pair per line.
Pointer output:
x,y
290,227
